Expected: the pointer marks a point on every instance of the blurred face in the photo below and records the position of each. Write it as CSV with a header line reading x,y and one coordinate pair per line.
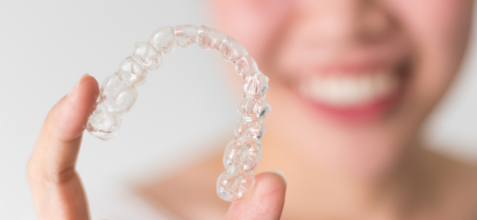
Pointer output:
x,y
351,80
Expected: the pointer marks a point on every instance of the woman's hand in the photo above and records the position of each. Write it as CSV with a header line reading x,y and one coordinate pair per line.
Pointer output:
x,y
56,187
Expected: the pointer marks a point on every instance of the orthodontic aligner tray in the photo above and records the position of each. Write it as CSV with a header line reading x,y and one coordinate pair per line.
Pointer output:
x,y
118,95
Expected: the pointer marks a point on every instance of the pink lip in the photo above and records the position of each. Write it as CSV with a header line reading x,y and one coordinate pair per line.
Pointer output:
x,y
356,114
366,112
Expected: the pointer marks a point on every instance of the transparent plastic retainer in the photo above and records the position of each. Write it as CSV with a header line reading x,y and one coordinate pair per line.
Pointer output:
x,y
118,95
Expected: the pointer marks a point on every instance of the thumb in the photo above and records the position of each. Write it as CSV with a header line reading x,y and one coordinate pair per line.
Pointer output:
x,y
56,189
266,202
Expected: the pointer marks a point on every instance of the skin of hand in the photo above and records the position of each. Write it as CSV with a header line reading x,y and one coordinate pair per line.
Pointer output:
x,y
56,187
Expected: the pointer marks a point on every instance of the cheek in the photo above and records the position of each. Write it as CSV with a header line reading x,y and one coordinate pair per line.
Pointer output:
x,y
441,24
439,29
253,23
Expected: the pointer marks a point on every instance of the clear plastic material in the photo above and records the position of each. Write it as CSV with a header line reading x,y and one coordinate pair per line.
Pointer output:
x,y
132,72
246,66
255,85
163,40
209,39
232,186
253,108
146,56
118,95
248,130
103,124
185,35
231,50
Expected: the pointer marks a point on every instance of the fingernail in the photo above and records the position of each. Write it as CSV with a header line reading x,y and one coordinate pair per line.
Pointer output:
x,y
280,174
73,90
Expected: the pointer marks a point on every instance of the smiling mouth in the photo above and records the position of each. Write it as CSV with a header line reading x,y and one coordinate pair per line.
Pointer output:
x,y
353,94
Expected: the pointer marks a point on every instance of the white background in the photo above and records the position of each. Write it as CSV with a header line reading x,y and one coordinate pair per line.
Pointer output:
x,y
46,46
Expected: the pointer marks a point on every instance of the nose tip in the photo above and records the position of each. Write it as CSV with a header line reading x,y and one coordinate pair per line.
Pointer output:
x,y
336,26
348,21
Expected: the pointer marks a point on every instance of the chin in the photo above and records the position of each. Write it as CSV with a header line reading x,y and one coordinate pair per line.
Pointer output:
x,y
361,154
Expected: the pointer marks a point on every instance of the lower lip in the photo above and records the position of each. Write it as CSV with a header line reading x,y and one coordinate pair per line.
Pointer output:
x,y
363,113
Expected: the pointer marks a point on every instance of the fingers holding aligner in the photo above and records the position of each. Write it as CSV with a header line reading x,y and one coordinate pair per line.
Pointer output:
x,y
266,201
56,189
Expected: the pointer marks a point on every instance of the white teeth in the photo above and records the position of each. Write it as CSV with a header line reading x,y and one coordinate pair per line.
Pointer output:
x,y
349,90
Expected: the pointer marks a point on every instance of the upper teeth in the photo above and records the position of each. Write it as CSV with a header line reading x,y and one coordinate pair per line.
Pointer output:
x,y
349,90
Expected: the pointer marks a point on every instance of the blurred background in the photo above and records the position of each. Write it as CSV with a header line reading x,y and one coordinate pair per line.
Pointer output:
x,y
46,46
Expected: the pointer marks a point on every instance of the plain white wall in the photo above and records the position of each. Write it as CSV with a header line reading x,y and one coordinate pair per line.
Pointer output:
x,y
46,46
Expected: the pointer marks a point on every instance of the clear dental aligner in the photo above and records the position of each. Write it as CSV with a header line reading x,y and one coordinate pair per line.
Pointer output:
x,y
118,95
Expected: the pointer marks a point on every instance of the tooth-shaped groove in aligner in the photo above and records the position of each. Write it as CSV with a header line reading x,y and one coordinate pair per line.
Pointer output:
x,y
118,95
